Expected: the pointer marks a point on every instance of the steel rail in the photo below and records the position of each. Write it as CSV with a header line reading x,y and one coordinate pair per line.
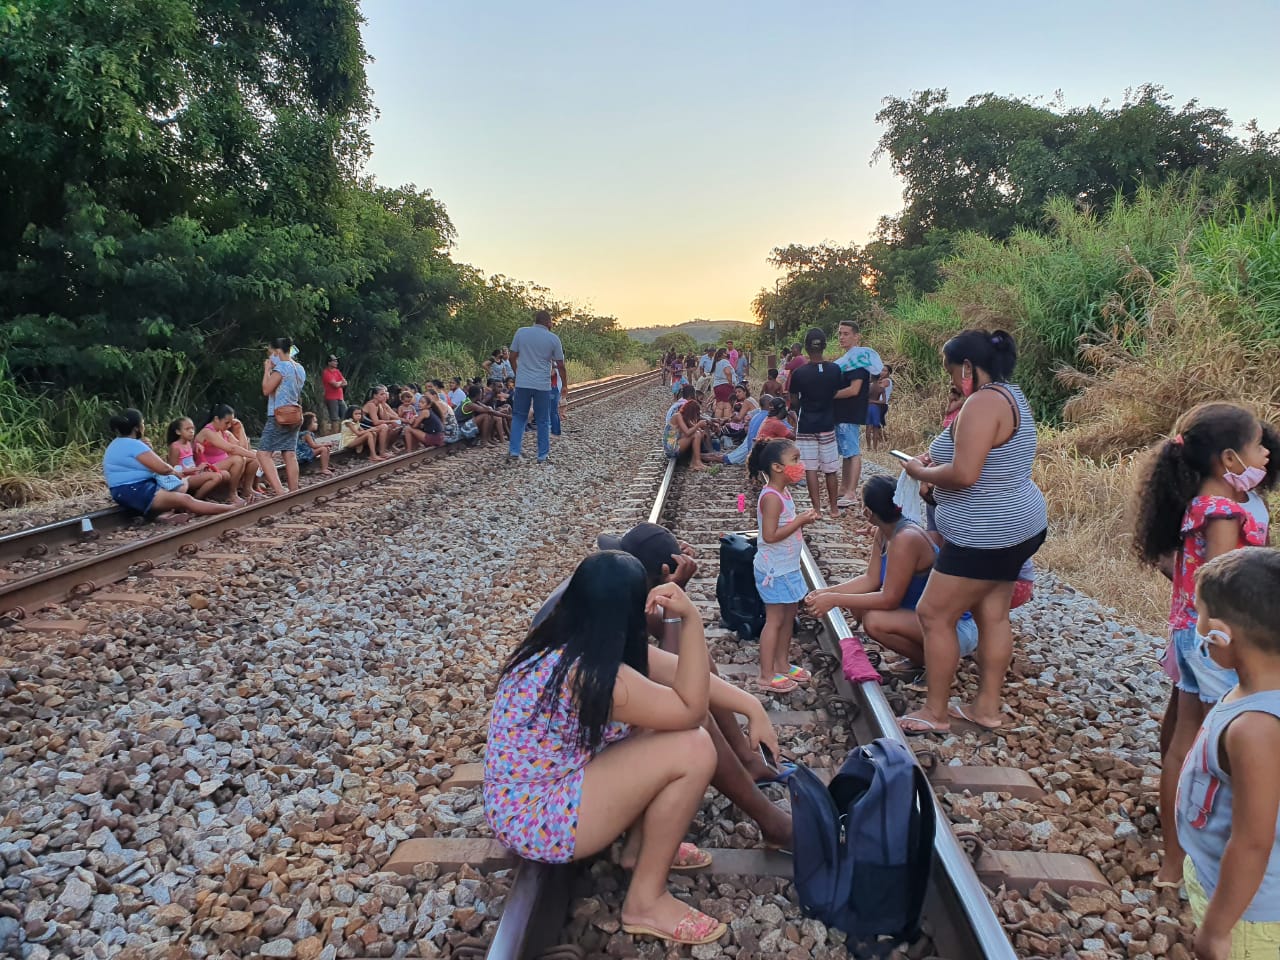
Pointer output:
x,y
20,598
965,890
534,913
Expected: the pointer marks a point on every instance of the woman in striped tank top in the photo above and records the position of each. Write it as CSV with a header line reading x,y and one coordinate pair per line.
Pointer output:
x,y
992,519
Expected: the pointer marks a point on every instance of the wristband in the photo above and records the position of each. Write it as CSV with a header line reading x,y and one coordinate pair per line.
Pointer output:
x,y
673,619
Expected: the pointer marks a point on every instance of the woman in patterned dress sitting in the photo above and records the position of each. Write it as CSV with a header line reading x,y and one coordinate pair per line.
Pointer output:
x,y
594,734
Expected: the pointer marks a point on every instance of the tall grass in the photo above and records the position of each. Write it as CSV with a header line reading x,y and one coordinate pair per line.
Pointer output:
x,y
48,447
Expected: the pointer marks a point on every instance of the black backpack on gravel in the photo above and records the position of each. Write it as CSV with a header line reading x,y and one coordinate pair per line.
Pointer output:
x,y
863,845
741,609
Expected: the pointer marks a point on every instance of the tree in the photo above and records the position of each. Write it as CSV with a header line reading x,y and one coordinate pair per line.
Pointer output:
x,y
990,165
823,284
675,342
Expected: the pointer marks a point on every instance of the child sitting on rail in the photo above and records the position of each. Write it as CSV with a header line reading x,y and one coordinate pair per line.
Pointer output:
x,y
358,435
777,565
1197,499
310,449
595,733
1229,788
201,478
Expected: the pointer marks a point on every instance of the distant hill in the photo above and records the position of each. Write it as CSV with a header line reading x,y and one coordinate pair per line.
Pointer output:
x,y
704,331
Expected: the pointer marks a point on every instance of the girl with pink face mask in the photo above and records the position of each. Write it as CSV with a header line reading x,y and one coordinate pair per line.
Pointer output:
x,y
1198,498
777,565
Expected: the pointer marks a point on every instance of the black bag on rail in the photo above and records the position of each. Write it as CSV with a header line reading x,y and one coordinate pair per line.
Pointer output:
x,y
741,609
863,845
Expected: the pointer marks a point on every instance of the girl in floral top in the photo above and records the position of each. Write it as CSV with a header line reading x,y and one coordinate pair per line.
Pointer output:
x,y
593,733
1198,498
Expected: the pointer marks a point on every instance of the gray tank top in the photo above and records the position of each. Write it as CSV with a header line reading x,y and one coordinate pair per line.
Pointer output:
x,y
1204,806
1004,507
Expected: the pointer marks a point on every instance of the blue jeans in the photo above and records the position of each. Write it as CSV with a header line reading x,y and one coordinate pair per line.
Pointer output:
x,y
543,402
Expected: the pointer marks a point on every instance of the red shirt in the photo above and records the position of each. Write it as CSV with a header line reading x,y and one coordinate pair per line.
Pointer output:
x,y
773,427
1200,511
331,377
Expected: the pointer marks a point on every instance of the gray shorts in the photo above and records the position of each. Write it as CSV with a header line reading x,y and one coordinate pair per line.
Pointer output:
x,y
337,410
277,439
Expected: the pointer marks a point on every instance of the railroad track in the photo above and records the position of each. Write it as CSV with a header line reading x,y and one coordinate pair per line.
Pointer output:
x,y
63,580
959,922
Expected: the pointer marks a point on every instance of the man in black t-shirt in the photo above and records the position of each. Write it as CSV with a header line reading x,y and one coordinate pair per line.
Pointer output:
x,y
814,389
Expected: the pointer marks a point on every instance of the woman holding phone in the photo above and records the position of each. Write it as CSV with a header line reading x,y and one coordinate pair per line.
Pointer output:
x,y
992,520
594,733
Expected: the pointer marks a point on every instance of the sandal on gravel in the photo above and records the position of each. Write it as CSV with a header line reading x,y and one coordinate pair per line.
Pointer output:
x,y
846,502
779,684
689,857
784,770
921,727
957,712
798,674
694,928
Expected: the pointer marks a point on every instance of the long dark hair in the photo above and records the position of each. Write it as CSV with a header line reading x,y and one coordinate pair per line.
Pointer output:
x,y
217,412
1173,472
598,625
991,350
171,435
778,408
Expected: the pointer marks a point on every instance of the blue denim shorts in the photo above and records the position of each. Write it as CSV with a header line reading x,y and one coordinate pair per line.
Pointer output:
x,y
135,496
1197,673
849,439
782,587
967,634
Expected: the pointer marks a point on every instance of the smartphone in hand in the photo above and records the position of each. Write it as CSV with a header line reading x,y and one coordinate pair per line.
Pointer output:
x,y
904,457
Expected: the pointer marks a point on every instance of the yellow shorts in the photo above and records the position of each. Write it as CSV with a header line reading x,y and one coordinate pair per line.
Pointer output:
x,y
1249,941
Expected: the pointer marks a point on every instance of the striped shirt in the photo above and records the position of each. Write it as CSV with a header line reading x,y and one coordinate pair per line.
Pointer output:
x,y
1004,507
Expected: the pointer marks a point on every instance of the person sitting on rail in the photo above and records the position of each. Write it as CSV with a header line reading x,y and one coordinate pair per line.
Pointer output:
x,y
594,734
309,448
490,425
738,455
435,397
357,435
201,478
1229,789
885,597
740,770
778,425
141,481
691,436
456,394
428,423
378,413
407,414
221,443
464,412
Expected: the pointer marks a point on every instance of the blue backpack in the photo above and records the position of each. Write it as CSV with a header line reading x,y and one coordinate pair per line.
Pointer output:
x,y
864,845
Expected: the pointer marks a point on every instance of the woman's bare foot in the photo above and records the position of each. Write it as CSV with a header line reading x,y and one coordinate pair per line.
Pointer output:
x,y
326,473
238,501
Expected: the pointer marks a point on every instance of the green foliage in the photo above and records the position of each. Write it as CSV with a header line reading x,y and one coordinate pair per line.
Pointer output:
x,y
823,285
679,343
991,164
1089,280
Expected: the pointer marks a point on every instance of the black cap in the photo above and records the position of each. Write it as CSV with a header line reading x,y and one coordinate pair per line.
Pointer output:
x,y
332,357
649,543
815,339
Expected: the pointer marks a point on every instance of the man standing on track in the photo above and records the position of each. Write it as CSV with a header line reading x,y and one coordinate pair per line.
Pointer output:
x,y
859,364
534,350
814,389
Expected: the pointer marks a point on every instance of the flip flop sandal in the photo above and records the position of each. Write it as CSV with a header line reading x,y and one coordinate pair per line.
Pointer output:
x,y
689,857
845,502
694,928
779,684
798,674
957,712
785,769
923,727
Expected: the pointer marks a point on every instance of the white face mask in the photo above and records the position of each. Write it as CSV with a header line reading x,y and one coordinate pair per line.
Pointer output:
x,y
1214,638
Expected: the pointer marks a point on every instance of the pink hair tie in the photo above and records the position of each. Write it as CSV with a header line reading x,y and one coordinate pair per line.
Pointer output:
x,y
1177,440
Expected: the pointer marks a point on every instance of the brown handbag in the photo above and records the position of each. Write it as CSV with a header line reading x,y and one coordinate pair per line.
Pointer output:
x,y
287,414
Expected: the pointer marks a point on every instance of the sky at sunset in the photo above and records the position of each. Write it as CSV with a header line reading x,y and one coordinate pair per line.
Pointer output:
x,y
643,159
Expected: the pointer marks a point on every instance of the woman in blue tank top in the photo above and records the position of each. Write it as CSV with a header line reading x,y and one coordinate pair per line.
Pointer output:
x,y
885,597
